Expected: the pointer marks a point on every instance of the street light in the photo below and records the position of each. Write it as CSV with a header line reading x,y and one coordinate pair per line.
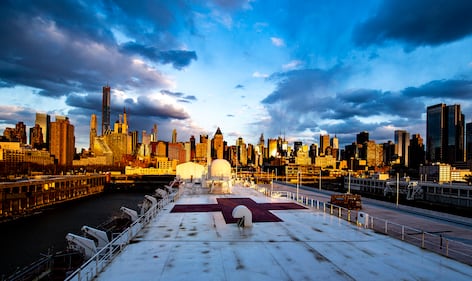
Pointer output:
x,y
398,188
320,179
349,182
298,182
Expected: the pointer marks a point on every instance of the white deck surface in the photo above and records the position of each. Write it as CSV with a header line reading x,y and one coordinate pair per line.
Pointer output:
x,y
307,245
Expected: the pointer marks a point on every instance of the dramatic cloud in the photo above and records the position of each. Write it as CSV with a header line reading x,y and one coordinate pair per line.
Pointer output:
x,y
455,89
182,97
416,23
178,58
307,100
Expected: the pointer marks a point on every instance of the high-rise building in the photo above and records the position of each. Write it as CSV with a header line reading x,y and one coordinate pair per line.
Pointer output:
x,y
192,148
17,134
416,152
93,130
362,137
444,134
44,121
174,136
402,142
334,142
154,133
218,147
36,137
272,148
106,109
324,144
468,141
62,144
241,152
297,145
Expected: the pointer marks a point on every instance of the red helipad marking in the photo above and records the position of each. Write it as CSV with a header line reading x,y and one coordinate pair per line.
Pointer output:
x,y
260,211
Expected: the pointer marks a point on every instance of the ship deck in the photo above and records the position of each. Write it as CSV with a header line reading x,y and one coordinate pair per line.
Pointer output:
x,y
305,245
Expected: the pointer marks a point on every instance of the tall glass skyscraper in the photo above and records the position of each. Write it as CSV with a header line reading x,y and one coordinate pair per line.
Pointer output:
x,y
44,121
444,134
105,109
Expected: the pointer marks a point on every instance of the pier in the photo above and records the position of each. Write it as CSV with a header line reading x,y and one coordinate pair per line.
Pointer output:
x,y
25,197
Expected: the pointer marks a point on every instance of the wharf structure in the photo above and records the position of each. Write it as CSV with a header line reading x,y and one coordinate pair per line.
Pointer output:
x,y
25,197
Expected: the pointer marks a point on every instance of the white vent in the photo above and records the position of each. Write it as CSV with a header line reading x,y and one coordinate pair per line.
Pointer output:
x,y
363,219
244,215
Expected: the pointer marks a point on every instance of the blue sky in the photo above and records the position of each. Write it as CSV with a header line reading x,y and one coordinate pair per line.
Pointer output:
x,y
299,68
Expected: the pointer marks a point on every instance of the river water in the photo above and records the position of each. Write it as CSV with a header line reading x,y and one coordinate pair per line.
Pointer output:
x,y
23,241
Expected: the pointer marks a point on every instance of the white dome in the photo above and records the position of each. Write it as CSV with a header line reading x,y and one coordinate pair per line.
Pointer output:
x,y
220,168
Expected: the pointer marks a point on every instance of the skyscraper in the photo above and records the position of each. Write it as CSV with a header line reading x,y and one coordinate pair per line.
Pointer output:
x,y
468,141
217,143
44,121
416,152
105,109
444,134
324,144
62,141
174,136
402,142
93,130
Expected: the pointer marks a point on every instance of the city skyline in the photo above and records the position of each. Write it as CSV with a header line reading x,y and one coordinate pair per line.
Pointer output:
x,y
281,68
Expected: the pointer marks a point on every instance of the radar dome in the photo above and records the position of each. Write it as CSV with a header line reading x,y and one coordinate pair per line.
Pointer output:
x,y
220,168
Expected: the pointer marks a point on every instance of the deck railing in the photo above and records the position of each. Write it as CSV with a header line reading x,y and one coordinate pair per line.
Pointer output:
x,y
90,269
433,242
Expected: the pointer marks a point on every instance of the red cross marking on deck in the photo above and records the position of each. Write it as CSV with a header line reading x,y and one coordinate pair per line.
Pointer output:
x,y
260,211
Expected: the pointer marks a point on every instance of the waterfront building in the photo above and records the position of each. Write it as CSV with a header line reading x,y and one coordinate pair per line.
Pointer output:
x,y
44,121
62,144
402,142
444,134
106,109
13,153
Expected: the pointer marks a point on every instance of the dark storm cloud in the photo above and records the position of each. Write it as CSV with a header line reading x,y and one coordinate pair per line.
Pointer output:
x,y
66,47
148,107
416,23
178,58
456,89
308,101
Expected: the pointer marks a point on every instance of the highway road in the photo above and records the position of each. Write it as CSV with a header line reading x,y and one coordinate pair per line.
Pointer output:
x,y
450,226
